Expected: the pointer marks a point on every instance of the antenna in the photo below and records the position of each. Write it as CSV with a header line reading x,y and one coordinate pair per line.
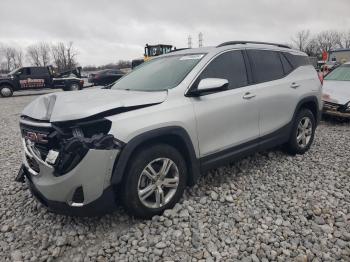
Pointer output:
x,y
200,39
189,42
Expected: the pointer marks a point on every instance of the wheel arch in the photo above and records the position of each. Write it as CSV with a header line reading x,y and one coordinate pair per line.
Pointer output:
x,y
311,103
7,83
174,136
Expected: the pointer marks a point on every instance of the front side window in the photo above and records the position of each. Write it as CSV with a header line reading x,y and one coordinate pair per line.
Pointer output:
x,y
341,73
25,71
229,66
266,65
159,74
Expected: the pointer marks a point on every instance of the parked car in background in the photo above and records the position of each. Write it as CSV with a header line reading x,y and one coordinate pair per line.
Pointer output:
x,y
145,138
336,92
105,77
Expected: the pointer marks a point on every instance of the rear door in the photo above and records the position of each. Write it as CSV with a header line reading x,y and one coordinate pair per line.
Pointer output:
x,y
275,94
227,118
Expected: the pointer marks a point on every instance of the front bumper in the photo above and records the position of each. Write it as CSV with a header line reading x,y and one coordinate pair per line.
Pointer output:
x,y
85,190
102,205
332,110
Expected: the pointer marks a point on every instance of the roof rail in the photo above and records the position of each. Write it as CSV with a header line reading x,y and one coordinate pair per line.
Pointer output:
x,y
179,49
251,42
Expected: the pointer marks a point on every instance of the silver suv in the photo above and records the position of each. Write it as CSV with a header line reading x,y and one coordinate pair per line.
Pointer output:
x,y
160,127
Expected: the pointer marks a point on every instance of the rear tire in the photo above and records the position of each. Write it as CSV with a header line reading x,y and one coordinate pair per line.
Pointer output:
x,y
155,180
6,91
303,132
73,87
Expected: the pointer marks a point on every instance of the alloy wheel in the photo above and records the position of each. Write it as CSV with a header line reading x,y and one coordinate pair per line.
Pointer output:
x,y
158,183
304,132
6,91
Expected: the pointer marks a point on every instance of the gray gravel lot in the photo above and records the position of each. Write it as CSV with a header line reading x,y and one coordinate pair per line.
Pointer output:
x,y
267,207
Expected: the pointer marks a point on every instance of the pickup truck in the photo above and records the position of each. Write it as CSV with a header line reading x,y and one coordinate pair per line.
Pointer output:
x,y
35,77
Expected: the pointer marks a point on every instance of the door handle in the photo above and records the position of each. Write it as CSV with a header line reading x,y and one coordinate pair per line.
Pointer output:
x,y
248,95
294,85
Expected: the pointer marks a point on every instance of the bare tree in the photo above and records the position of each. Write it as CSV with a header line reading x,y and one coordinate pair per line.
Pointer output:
x,y
328,40
312,49
64,55
39,54
17,57
345,40
33,55
13,57
301,40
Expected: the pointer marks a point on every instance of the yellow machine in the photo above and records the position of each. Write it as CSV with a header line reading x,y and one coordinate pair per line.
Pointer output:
x,y
152,51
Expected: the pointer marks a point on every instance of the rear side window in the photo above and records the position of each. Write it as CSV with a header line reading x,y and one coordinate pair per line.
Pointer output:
x,y
229,65
40,71
287,67
266,65
297,60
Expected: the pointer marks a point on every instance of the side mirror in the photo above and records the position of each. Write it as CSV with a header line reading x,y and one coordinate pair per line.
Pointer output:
x,y
210,85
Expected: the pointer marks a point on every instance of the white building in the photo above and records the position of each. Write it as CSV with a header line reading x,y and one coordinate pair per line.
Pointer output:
x,y
340,55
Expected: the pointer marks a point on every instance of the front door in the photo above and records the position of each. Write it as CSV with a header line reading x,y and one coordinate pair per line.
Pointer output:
x,y
227,118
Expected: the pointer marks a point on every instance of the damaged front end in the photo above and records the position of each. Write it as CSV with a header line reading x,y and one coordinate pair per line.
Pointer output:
x,y
61,146
336,110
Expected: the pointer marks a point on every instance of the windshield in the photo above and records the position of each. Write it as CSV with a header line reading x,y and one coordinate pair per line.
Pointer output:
x,y
341,73
159,74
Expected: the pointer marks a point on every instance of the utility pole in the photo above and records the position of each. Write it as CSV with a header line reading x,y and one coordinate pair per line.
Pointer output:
x,y
200,39
189,41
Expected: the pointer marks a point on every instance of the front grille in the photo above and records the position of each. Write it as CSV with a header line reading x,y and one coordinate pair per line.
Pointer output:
x,y
41,147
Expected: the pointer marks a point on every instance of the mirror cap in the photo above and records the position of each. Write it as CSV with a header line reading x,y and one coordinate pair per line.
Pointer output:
x,y
208,84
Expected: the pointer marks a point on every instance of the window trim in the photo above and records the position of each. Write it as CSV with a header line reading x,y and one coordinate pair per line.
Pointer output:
x,y
191,85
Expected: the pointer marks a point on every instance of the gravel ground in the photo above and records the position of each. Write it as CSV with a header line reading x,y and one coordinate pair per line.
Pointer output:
x,y
267,207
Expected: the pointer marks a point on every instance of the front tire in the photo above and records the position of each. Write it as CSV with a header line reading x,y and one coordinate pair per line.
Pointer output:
x,y
6,91
155,181
303,132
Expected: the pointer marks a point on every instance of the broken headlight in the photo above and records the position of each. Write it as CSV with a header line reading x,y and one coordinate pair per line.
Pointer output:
x,y
77,138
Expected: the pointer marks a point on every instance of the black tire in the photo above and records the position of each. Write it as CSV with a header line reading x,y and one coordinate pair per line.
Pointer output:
x,y
6,91
293,146
129,188
73,87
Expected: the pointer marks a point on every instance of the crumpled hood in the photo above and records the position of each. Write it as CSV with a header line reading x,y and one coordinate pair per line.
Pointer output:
x,y
336,91
73,105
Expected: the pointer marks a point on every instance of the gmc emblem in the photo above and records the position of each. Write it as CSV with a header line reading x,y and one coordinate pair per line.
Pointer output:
x,y
36,137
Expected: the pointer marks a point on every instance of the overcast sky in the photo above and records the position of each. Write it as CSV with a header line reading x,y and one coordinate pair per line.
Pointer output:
x,y
106,31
